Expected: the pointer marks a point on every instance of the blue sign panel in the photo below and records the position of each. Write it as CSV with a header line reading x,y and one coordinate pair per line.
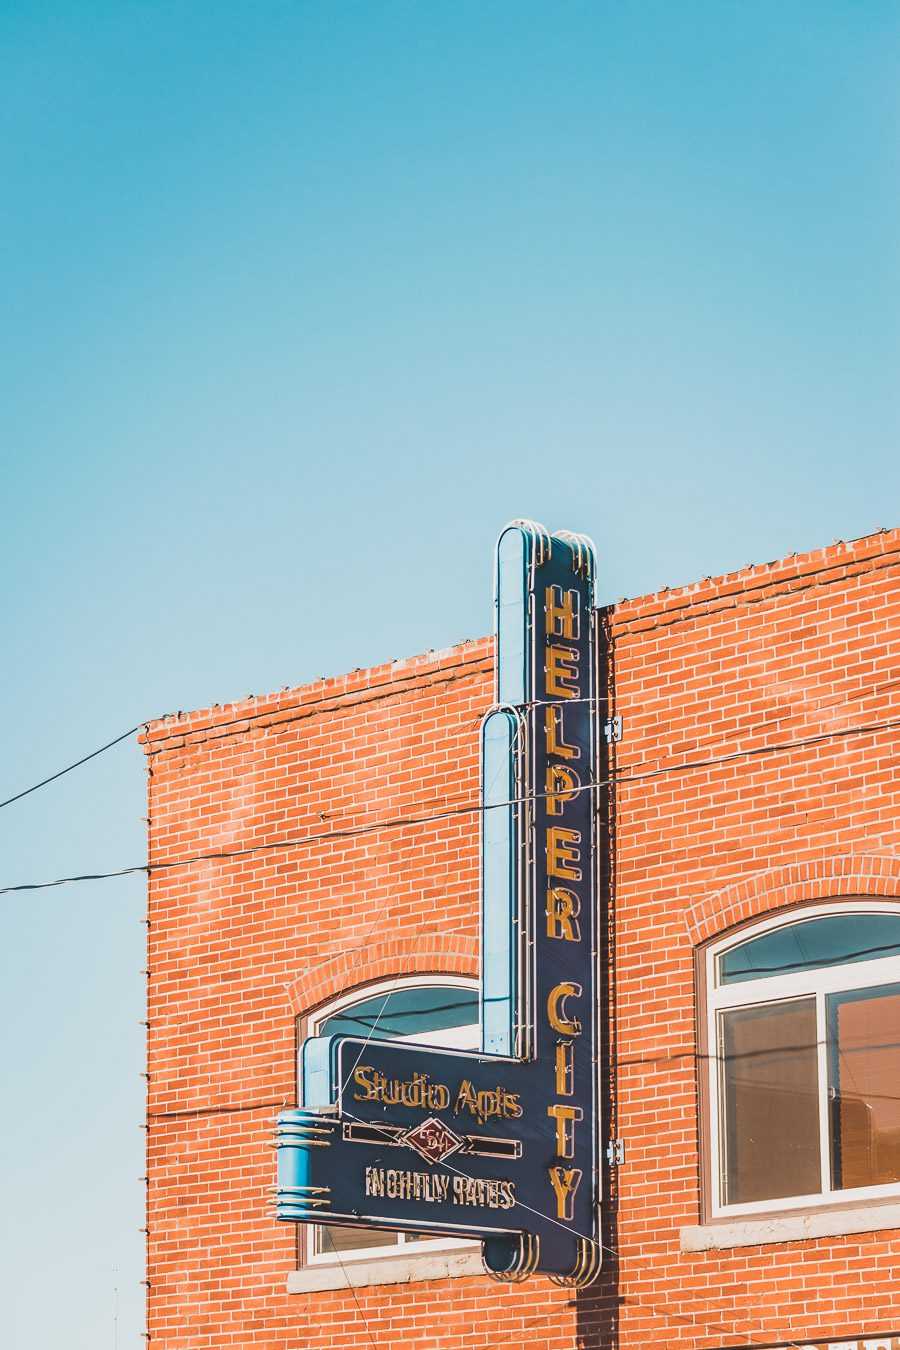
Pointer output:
x,y
500,1144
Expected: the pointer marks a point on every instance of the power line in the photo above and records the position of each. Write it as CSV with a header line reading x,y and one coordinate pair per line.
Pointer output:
x,y
359,1307
301,715
548,1218
399,822
69,767
237,1108
65,881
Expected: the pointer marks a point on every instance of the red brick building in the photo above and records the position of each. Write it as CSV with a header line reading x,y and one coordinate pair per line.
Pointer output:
x,y
751,913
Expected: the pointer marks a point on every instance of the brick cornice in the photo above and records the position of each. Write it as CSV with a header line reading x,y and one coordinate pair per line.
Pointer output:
x,y
839,562
467,659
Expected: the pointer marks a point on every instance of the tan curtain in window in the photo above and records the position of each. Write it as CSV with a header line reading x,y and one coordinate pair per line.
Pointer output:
x,y
770,1102
867,1104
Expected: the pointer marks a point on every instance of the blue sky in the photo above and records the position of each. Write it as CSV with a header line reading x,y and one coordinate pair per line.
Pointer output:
x,y
300,303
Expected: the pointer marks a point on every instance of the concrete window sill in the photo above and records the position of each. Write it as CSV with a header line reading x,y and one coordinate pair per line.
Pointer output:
x,y
764,1229
398,1268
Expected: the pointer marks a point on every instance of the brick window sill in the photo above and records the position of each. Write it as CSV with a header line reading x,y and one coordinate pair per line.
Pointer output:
x,y
398,1268
762,1230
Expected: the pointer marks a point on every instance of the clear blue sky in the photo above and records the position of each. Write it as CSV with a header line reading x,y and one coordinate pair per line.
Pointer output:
x,y
301,302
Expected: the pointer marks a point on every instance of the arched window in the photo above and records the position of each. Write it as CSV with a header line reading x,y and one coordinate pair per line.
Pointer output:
x,y
803,1053
433,1010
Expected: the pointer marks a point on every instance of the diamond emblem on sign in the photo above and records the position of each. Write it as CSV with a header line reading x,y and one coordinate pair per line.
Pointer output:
x,y
433,1140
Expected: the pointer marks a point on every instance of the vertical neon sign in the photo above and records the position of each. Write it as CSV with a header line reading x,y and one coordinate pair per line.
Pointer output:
x,y
502,1145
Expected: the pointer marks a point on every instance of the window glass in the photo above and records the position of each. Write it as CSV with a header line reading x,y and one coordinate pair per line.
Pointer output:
x,y
404,1013
332,1240
770,1101
837,939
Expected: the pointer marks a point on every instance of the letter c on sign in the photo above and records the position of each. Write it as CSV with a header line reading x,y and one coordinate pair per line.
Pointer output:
x,y
566,1026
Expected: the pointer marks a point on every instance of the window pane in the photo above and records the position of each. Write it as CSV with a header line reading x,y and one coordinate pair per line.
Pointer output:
x,y
405,1012
864,1031
770,1102
835,940
331,1239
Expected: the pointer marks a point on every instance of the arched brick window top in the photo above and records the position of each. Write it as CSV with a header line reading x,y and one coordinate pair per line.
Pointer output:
x,y
778,888
395,958
433,1009
802,1058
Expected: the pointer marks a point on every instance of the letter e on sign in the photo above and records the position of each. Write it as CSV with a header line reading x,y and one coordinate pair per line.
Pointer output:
x,y
562,672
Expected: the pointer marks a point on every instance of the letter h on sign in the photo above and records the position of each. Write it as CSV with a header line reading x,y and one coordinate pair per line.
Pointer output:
x,y
512,1130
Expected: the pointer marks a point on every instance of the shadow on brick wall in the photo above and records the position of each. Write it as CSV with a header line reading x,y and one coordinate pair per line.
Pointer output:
x,y
597,1307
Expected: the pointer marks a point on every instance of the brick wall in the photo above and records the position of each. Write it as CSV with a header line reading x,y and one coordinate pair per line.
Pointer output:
x,y
802,650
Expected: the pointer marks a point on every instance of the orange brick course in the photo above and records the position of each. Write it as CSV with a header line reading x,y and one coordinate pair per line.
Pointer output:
x,y
755,773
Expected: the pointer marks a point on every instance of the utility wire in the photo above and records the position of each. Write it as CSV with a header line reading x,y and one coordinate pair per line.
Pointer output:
x,y
84,876
399,822
359,1307
69,767
236,1108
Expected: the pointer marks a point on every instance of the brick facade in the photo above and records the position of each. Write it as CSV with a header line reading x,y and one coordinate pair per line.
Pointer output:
x,y
743,784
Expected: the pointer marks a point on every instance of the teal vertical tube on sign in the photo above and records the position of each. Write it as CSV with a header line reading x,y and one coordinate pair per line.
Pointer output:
x,y
498,881
512,615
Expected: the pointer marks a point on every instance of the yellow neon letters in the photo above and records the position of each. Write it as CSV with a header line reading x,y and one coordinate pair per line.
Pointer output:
x,y
554,737
562,672
562,914
566,1026
565,1069
562,785
565,1117
562,853
565,1182
562,612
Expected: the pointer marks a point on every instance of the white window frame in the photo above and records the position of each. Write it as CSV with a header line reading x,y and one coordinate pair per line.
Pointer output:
x,y
450,1038
776,989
